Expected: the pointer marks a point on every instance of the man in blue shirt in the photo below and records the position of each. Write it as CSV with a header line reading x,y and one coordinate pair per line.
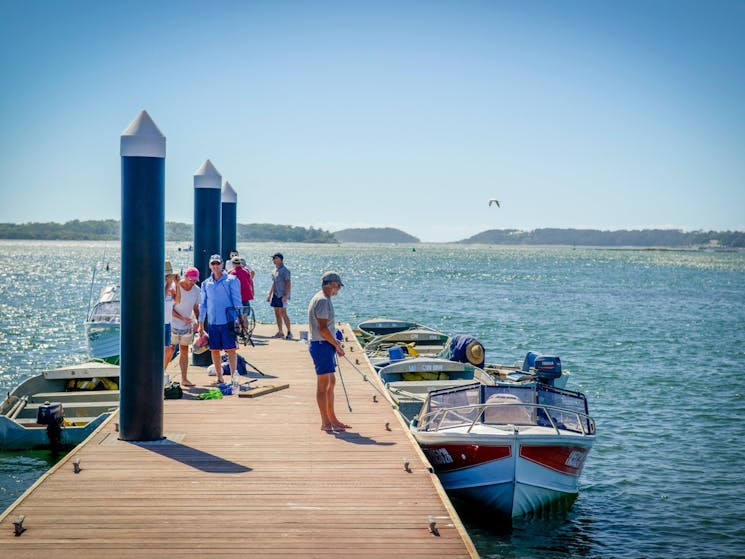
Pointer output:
x,y
220,292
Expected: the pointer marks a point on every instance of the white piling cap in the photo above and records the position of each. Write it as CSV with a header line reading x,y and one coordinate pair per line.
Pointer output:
x,y
229,195
142,138
207,176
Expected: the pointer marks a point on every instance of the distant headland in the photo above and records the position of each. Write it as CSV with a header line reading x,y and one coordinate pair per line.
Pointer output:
x,y
94,230
109,230
374,235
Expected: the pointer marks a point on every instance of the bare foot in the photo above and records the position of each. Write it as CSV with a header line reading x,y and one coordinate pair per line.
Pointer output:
x,y
340,425
328,428
186,382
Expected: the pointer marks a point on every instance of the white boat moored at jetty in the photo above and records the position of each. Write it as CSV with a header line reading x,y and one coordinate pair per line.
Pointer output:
x,y
66,404
415,342
409,381
383,326
102,326
511,448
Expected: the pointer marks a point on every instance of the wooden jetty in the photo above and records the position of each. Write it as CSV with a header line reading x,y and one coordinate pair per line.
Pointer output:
x,y
246,477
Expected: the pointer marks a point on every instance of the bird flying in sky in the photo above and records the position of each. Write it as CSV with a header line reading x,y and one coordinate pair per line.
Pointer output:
x,y
494,201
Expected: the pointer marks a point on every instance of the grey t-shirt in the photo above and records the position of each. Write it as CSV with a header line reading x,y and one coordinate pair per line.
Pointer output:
x,y
280,276
320,307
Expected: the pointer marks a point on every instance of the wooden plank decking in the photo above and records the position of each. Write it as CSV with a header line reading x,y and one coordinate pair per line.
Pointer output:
x,y
246,477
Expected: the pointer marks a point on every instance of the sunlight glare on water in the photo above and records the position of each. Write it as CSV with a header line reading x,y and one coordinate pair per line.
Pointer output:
x,y
656,340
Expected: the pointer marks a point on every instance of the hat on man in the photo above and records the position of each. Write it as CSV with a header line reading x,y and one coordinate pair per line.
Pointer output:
x,y
192,273
329,277
168,268
278,255
236,260
216,258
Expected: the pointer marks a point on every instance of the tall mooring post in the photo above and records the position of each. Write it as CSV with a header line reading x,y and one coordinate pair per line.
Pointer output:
x,y
143,153
207,216
229,220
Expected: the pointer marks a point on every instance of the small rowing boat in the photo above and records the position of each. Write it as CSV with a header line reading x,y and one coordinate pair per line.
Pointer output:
x,y
59,408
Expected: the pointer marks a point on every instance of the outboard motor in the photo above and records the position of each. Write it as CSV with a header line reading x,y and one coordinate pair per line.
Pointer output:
x,y
547,368
51,414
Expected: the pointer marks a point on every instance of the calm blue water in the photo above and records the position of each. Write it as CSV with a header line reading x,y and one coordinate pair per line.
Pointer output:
x,y
655,339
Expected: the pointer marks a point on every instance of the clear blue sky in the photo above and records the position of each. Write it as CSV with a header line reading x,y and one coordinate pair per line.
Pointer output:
x,y
606,115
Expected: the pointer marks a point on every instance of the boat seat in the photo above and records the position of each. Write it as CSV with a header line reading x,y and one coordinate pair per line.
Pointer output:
x,y
77,396
71,409
31,421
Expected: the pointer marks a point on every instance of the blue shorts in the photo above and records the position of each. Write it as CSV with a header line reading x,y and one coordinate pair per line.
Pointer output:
x,y
276,302
168,335
220,337
323,354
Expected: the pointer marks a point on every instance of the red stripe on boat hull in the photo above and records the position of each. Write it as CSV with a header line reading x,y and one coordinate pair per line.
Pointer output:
x,y
565,459
449,457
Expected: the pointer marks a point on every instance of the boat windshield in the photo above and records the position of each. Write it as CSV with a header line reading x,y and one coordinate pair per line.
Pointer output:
x,y
519,404
109,311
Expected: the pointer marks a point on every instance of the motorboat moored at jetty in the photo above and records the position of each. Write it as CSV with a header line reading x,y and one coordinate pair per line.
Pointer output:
x,y
414,342
383,326
102,326
507,438
60,407
410,380
513,449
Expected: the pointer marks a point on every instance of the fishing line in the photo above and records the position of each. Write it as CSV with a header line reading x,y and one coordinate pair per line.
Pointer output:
x,y
364,377
343,385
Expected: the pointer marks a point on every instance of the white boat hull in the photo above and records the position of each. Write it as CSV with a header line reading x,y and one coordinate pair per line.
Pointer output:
x,y
103,340
513,476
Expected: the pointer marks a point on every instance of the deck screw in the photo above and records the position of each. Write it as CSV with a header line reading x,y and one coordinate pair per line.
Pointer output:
x,y
18,524
76,465
116,427
375,398
387,426
406,465
351,348
356,361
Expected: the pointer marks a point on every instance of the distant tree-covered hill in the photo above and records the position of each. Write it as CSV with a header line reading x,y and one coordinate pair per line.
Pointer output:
x,y
626,238
110,230
374,235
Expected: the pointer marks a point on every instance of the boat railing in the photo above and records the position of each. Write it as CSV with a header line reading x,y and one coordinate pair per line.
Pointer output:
x,y
559,419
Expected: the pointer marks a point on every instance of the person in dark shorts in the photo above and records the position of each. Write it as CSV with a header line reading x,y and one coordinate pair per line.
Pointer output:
x,y
324,347
279,294
220,292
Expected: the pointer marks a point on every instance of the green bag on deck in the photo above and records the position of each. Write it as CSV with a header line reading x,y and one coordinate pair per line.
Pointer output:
x,y
173,391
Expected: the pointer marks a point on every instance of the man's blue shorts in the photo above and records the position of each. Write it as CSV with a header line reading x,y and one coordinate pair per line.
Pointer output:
x,y
167,330
276,302
220,337
323,354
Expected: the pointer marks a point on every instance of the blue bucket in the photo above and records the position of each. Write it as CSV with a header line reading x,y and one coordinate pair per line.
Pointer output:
x,y
395,353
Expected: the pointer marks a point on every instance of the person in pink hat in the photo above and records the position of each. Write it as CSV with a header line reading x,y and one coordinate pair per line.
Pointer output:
x,y
185,315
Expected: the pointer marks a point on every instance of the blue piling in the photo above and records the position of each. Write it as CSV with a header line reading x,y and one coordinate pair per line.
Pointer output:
x,y
207,216
143,152
229,220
